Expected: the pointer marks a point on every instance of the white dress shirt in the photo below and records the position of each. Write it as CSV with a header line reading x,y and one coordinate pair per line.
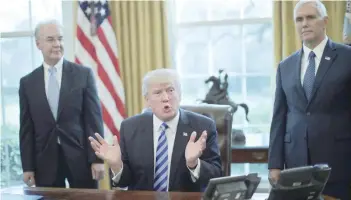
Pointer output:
x,y
58,67
318,51
170,134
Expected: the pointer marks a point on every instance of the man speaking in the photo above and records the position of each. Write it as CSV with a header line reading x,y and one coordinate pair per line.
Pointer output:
x,y
168,149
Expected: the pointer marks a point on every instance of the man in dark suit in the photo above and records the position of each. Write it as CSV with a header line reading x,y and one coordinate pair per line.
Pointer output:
x,y
163,149
59,109
312,110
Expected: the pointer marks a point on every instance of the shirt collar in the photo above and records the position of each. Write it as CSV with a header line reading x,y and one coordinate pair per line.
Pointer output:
x,y
318,50
58,65
172,124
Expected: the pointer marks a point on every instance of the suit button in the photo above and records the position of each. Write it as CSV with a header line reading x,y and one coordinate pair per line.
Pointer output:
x,y
308,113
57,126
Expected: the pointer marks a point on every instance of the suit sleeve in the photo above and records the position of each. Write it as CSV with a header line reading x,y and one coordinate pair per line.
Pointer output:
x,y
26,132
278,127
93,122
126,177
210,159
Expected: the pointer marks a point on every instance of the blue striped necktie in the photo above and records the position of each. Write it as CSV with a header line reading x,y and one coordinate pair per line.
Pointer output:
x,y
310,75
161,169
53,91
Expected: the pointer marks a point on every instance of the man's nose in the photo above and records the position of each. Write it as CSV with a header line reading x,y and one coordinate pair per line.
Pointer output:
x,y
57,43
165,97
304,23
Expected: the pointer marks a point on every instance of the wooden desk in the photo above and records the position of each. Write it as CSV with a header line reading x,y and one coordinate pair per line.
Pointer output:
x,y
90,194
254,150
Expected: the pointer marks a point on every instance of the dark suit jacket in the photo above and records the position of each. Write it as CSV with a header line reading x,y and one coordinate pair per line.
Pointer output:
x,y
79,116
136,143
321,126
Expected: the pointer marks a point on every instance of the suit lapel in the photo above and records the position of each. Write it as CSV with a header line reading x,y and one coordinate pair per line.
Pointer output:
x,y
300,90
66,85
180,143
41,92
327,59
148,148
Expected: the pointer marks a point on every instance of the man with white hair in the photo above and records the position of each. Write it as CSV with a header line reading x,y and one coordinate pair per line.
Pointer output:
x,y
59,109
168,149
312,110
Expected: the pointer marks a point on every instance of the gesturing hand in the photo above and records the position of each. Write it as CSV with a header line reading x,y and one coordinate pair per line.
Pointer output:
x,y
109,153
193,149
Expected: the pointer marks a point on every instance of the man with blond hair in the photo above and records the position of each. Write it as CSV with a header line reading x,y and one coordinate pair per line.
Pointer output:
x,y
165,148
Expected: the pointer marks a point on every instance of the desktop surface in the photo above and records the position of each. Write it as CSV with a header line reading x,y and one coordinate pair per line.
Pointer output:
x,y
90,194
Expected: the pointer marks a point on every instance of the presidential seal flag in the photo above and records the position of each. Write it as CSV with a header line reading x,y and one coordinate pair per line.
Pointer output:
x,y
96,47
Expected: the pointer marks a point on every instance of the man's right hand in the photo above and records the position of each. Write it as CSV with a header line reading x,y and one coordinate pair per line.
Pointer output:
x,y
274,175
28,178
111,154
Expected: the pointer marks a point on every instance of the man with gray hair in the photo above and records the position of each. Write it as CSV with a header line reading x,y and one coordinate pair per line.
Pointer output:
x,y
312,110
59,109
166,148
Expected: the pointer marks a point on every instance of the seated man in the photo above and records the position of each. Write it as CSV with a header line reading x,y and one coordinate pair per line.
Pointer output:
x,y
168,149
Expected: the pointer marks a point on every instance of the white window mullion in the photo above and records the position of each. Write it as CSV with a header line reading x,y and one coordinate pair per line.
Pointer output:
x,y
16,34
33,36
172,17
225,22
209,36
209,10
178,52
243,61
243,69
210,53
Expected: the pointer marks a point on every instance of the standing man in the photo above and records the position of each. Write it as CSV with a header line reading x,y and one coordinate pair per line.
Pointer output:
x,y
59,109
312,110
165,149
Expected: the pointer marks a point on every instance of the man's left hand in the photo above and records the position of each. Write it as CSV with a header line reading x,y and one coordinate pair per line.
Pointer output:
x,y
97,171
194,150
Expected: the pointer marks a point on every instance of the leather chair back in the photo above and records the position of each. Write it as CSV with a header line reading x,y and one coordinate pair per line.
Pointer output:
x,y
223,118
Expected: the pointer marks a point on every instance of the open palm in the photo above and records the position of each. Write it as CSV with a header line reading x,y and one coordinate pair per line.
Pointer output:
x,y
109,153
193,149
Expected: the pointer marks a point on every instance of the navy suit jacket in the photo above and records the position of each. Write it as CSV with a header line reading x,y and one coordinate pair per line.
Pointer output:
x,y
321,126
79,116
136,144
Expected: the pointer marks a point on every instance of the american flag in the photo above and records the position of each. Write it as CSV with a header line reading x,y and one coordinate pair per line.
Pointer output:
x,y
96,47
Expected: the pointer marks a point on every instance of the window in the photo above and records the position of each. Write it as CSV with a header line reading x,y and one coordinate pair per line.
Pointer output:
x,y
19,56
236,36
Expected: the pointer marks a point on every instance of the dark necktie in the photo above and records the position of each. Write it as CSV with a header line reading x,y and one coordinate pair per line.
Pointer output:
x,y
310,75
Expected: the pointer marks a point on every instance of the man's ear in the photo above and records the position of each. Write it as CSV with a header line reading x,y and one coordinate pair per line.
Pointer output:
x,y
326,20
38,44
146,99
